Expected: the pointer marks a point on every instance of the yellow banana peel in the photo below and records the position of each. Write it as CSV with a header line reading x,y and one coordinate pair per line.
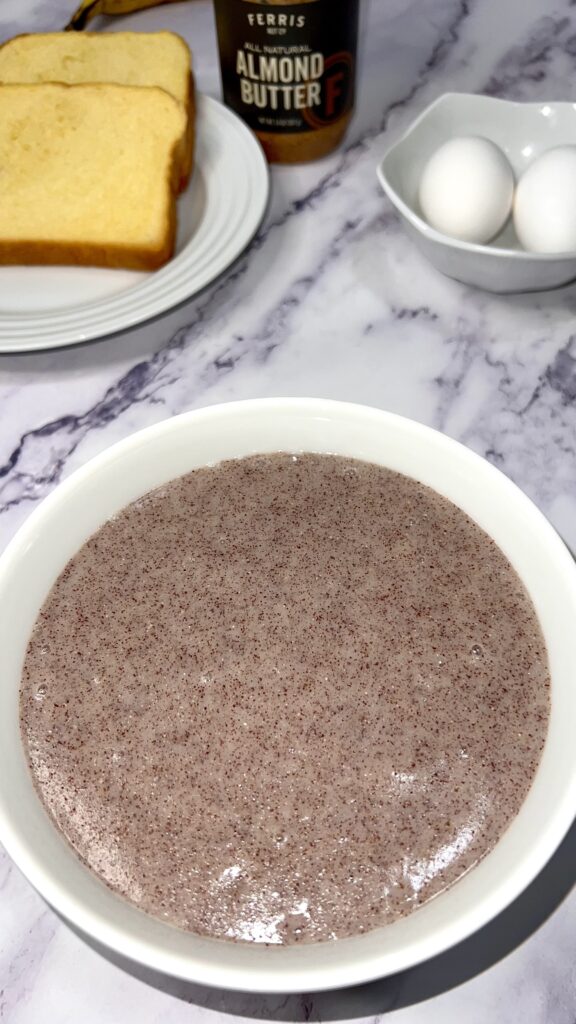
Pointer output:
x,y
92,8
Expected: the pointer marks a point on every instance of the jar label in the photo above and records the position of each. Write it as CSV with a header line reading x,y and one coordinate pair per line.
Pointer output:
x,y
288,68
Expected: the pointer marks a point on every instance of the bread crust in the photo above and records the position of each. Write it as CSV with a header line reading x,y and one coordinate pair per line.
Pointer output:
x,y
189,141
82,254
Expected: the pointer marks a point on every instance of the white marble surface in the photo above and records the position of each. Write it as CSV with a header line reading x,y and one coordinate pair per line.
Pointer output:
x,y
331,300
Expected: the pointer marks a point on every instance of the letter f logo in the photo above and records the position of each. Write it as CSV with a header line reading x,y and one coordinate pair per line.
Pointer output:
x,y
333,91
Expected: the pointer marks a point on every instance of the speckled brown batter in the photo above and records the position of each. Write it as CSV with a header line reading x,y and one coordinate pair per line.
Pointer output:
x,y
285,699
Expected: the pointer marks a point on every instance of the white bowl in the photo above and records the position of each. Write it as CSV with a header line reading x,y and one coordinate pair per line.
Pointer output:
x,y
55,531
523,131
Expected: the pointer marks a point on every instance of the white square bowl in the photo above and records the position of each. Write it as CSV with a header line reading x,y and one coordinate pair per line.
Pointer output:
x,y
523,131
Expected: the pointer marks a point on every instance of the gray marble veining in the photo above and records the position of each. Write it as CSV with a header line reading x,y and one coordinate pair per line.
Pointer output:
x,y
331,299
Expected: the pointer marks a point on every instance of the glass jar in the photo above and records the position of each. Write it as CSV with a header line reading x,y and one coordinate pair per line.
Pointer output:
x,y
289,70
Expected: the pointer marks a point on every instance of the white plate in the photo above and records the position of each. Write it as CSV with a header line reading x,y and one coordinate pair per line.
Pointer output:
x,y
218,215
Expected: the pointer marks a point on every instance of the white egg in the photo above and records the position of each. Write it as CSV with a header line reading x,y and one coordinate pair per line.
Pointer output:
x,y
545,203
467,188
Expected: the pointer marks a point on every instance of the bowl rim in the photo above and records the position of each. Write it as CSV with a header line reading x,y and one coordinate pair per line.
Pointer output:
x,y
303,973
422,226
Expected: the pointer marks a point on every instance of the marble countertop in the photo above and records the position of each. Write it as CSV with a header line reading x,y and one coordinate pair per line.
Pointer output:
x,y
332,300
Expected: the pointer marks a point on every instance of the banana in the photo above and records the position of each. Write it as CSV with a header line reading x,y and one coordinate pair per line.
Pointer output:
x,y
91,8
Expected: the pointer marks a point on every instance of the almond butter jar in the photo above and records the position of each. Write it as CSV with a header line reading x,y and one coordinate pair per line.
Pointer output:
x,y
289,70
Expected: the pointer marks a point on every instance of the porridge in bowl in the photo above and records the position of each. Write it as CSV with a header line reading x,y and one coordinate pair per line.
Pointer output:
x,y
285,699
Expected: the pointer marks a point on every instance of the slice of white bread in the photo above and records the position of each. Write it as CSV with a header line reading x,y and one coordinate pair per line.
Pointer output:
x,y
87,174
127,58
